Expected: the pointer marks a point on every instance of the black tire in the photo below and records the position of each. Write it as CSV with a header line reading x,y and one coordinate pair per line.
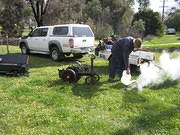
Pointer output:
x,y
24,49
69,75
56,55
92,79
78,55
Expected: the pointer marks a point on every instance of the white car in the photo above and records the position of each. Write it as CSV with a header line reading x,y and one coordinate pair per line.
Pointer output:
x,y
59,41
171,31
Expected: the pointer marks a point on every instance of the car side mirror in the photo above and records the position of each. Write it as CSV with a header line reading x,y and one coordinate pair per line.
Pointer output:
x,y
30,34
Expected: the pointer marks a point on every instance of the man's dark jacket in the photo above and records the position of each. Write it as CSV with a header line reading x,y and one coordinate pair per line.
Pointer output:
x,y
120,52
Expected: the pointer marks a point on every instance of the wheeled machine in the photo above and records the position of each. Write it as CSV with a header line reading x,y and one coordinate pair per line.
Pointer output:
x,y
75,72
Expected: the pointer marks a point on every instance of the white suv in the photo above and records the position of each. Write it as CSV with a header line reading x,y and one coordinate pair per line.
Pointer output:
x,y
59,41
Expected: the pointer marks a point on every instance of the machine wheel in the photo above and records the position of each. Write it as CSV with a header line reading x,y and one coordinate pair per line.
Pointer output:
x,y
69,75
75,69
13,73
24,49
92,79
55,54
22,71
77,55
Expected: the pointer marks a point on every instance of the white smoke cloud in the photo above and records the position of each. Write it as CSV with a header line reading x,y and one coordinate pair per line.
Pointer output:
x,y
152,74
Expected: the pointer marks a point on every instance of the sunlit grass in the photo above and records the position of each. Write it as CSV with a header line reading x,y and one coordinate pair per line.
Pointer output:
x,y
163,40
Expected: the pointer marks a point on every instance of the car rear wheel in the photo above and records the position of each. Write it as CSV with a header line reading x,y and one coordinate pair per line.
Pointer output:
x,y
56,55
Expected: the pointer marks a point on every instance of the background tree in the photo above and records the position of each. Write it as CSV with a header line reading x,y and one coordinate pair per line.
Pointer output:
x,y
138,28
173,20
12,17
116,14
153,22
64,11
93,10
143,4
104,16
99,18
39,8
121,15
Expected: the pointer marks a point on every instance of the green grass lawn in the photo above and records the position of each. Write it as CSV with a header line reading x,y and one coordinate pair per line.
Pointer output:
x,y
163,40
42,104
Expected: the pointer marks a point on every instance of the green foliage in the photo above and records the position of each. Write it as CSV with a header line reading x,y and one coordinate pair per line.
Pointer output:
x,y
100,31
11,17
153,23
64,11
173,21
121,14
39,8
143,4
138,28
103,31
116,13
94,10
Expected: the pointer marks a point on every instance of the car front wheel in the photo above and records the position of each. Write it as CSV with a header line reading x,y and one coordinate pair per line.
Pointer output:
x,y
24,49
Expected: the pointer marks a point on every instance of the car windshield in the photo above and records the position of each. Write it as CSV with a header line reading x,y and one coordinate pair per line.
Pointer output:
x,y
82,32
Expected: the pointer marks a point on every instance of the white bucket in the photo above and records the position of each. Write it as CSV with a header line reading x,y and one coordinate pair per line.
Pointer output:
x,y
126,78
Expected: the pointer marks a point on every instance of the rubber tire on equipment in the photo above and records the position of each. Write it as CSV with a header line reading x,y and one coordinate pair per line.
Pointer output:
x,y
78,56
69,75
92,79
76,72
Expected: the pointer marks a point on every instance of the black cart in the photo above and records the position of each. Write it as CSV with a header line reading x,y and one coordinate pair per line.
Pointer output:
x,y
14,64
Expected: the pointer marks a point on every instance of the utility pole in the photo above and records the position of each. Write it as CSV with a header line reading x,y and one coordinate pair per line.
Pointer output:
x,y
164,2
163,10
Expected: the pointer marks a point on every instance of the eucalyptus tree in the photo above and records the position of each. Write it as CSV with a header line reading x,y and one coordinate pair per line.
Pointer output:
x,y
122,15
64,11
153,22
143,4
173,20
12,17
39,8
116,13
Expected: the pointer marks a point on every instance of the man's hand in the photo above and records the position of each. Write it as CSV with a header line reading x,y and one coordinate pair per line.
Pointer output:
x,y
128,71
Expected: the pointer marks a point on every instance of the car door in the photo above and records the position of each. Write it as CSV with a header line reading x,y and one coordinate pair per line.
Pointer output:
x,y
33,40
43,40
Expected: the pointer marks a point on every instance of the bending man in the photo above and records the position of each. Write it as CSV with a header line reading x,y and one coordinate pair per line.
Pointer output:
x,y
119,60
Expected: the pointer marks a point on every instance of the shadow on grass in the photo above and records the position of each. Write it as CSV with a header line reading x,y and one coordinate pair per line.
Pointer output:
x,y
152,117
39,60
80,88
150,120
87,91
132,97
167,84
